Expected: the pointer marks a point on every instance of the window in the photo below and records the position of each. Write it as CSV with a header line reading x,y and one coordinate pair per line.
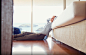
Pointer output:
x,y
43,10
22,15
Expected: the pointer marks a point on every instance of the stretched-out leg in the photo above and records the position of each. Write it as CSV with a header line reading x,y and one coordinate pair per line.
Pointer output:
x,y
31,37
27,33
20,35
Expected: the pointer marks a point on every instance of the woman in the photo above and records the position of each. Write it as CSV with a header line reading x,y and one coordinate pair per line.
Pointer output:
x,y
36,36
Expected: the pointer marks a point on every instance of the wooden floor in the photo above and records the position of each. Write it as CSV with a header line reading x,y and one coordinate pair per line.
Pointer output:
x,y
47,47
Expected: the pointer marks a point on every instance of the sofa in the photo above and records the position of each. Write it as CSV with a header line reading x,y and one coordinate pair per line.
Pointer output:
x,y
70,26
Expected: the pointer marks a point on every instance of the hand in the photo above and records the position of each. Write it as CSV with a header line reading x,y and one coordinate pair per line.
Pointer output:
x,y
52,19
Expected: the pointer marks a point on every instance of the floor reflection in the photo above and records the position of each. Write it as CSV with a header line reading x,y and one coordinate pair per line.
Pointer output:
x,y
46,47
50,43
31,47
21,50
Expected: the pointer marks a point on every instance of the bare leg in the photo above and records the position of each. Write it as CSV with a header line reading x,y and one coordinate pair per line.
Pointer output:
x,y
31,37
